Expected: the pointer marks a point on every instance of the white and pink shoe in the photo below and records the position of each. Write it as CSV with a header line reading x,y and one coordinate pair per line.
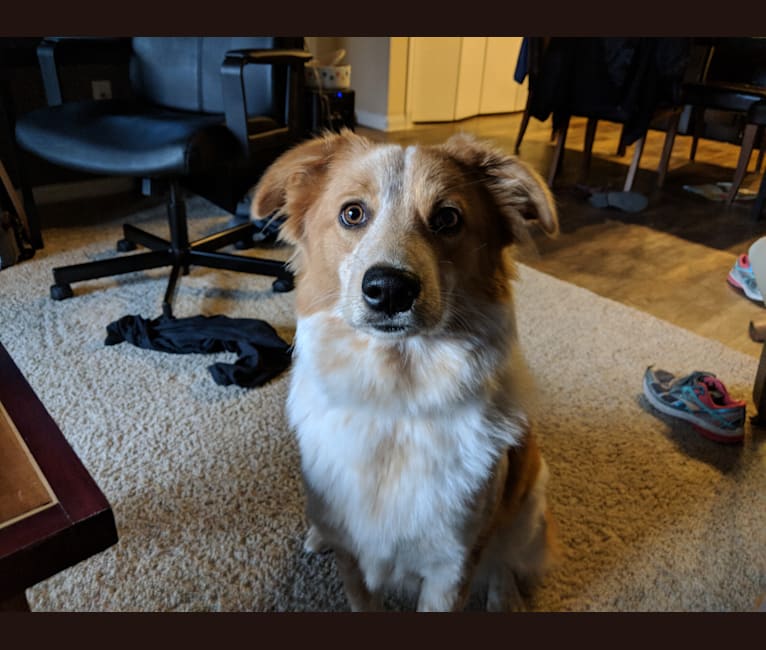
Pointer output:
x,y
742,277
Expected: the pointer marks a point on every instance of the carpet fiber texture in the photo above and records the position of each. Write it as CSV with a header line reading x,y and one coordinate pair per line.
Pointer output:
x,y
204,479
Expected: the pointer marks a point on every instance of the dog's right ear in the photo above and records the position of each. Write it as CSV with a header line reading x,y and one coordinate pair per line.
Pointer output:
x,y
293,182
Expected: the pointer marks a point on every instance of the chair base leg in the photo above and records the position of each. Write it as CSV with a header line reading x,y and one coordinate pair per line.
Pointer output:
x,y
170,291
61,291
178,253
201,252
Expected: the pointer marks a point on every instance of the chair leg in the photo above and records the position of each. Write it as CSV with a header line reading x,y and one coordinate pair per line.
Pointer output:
x,y
698,124
760,200
667,149
170,291
65,275
693,148
224,238
135,235
761,148
745,151
590,136
242,263
522,131
633,169
558,152
621,148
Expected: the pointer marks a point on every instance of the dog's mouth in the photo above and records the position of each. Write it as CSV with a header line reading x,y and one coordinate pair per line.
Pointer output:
x,y
392,329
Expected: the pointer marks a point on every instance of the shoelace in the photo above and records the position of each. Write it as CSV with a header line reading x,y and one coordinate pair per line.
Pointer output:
x,y
692,393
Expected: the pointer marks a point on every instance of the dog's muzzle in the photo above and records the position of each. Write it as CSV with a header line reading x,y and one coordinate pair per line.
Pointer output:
x,y
389,290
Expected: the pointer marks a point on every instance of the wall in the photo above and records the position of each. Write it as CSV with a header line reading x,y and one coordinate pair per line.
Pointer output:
x,y
24,87
370,65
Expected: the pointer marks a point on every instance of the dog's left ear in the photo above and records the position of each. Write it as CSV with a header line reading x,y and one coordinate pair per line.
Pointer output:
x,y
520,193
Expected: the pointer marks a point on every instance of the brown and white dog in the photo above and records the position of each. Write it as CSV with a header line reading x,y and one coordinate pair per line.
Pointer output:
x,y
408,389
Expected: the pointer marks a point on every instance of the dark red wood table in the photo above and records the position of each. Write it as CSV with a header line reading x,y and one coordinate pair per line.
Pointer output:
x,y
52,513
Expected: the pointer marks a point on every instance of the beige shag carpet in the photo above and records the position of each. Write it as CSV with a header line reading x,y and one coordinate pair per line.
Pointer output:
x,y
204,480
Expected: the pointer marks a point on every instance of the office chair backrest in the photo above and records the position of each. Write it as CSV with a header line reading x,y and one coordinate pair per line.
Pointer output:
x,y
185,72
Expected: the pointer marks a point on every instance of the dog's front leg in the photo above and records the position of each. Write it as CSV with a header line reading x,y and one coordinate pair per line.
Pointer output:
x,y
503,594
359,596
445,590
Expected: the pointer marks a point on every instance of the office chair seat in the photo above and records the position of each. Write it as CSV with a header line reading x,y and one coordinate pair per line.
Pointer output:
x,y
129,138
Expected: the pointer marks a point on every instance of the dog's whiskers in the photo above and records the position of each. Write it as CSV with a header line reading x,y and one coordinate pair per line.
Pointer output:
x,y
321,298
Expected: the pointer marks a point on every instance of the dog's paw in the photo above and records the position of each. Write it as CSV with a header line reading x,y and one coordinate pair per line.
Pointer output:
x,y
314,542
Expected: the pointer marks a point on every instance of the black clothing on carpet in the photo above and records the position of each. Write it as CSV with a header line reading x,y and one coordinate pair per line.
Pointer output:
x,y
262,354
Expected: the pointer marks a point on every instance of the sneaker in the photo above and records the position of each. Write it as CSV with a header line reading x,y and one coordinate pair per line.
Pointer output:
x,y
699,398
742,277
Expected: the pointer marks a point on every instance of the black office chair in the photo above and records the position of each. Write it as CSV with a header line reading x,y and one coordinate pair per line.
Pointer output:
x,y
209,115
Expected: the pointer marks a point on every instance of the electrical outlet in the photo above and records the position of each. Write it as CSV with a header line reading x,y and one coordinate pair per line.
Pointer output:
x,y
102,89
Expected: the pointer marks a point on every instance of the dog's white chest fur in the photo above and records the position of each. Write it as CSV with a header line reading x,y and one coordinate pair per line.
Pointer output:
x,y
395,452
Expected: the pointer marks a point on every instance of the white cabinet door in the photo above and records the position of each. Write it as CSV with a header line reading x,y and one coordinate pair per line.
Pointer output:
x,y
452,78
470,77
433,78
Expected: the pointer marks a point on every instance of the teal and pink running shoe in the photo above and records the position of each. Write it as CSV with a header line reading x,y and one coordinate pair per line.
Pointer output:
x,y
742,277
699,398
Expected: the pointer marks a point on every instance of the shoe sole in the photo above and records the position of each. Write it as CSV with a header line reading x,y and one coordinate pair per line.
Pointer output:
x,y
707,430
724,440
757,256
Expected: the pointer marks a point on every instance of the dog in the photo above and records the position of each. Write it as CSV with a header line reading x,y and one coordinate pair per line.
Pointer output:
x,y
408,392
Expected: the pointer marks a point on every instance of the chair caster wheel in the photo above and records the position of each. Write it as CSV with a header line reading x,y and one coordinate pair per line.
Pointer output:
x,y
244,244
61,291
125,245
283,285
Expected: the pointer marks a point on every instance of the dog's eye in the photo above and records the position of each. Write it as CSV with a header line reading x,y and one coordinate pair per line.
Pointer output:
x,y
445,221
353,215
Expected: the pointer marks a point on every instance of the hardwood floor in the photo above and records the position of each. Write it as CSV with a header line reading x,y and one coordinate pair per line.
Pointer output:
x,y
671,259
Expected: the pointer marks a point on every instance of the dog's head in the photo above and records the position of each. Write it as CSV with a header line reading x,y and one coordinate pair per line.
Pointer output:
x,y
401,241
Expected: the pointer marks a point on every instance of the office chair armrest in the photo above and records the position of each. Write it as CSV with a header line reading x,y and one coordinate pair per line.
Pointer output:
x,y
235,106
286,57
53,49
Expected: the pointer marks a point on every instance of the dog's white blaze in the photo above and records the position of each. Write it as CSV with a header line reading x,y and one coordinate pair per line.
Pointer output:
x,y
439,441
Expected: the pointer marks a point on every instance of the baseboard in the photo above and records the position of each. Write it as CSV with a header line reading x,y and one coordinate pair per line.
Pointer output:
x,y
398,123
382,122
58,192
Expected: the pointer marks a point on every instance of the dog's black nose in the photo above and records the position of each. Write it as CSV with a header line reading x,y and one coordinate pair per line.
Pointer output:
x,y
389,289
